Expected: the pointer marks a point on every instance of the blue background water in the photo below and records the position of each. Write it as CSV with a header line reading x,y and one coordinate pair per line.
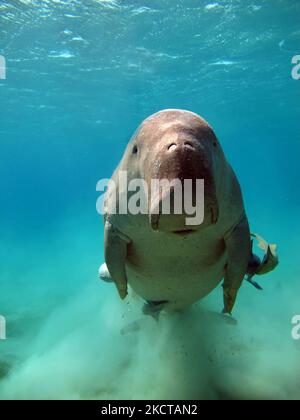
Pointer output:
x,y
81,75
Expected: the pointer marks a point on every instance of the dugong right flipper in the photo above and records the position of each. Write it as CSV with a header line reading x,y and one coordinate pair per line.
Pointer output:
x,y
115,257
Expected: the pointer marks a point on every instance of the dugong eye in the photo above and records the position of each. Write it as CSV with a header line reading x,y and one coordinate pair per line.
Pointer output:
x,y
135,150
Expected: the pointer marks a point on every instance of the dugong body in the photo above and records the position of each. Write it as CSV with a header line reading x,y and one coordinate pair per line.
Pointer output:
x,y
161,257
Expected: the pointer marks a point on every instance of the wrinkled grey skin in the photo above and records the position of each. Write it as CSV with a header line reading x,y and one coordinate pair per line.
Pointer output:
x,y
161,258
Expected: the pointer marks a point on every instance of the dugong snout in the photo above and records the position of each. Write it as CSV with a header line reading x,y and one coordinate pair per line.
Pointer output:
x,y
185,187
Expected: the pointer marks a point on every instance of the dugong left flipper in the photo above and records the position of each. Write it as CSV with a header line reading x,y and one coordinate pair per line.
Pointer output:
x,y
238,248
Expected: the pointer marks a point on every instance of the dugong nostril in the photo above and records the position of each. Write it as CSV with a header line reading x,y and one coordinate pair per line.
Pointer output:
x,y
172,146
186,144
189,144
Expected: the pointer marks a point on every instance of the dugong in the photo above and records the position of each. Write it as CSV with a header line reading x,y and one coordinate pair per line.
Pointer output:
x,y
164,259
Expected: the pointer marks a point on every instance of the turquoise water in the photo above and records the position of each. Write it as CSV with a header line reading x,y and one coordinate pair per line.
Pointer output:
x,y
81,75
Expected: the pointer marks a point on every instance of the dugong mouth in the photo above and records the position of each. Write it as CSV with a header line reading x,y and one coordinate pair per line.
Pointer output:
x,y
182,223
172,223
184,232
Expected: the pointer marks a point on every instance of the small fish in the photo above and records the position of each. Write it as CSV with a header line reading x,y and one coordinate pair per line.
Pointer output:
x,y
258,267
270,260
254,283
